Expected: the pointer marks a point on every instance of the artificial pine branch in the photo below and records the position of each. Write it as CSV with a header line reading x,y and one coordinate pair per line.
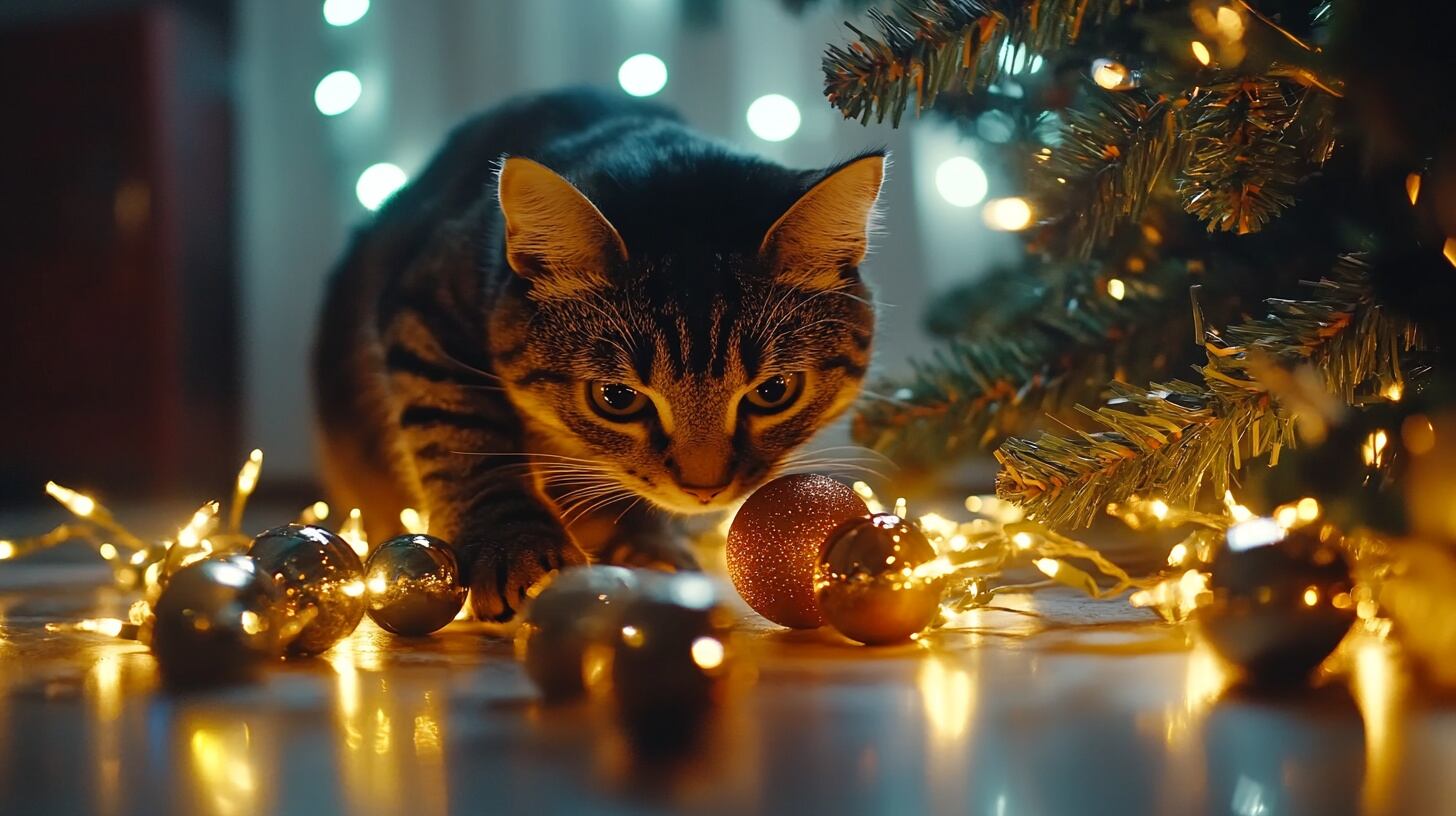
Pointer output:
x,y
934,45
1243,160
1068,339
1175,438
1113,153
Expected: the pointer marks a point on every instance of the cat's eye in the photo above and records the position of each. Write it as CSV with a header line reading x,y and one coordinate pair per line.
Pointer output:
x,y
775,393
616,401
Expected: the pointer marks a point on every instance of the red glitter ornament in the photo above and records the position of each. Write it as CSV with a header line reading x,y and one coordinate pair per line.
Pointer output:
x,y
775,542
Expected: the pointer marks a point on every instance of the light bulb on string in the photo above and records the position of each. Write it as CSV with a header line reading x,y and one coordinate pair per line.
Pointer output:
x,y
1230,23
1413,187
1201,53
1007,214
1111,75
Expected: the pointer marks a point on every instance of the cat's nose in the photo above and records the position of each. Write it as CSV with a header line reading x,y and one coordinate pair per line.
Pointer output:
x,y
704,494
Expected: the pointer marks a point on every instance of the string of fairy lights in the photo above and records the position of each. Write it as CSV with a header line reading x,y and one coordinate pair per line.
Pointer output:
x,y
974,555
141,565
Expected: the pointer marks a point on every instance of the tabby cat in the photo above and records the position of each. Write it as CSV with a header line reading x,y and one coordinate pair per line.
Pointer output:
x,y
579,305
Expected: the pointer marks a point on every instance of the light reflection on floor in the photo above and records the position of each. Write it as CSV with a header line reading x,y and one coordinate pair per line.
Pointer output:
x,y
1043,707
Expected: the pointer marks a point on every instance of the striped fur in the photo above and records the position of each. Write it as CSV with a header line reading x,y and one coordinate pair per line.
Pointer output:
x,y
466,324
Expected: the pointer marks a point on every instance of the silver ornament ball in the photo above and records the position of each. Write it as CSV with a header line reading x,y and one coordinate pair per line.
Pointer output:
x,y
573,612
1280,600
412,585
322,582
216,621
673,654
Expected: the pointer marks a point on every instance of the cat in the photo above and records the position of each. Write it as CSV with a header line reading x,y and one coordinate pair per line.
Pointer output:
x,y
579,305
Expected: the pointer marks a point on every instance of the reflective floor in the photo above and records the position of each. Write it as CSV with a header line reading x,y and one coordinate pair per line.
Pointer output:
x,y
1061,706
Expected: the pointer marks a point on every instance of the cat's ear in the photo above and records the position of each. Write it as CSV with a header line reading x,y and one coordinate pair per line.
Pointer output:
x,y
555,237
827,230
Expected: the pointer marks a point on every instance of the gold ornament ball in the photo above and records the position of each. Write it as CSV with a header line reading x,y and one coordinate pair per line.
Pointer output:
x,y
775,542
879,580
412,585
322,582
1280,600
574,612
673,654
215,622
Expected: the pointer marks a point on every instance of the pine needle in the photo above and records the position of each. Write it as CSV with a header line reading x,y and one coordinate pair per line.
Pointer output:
x,y
1174,439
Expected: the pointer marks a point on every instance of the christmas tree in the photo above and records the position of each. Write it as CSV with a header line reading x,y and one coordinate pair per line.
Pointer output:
x,y
1235,218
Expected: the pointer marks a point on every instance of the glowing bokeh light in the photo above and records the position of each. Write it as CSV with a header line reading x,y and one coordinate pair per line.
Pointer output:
x,y
773,117
1111,75
961,181
337,92
377,183
1201,53
344,12
708,653
642,75
1015,59
1007,214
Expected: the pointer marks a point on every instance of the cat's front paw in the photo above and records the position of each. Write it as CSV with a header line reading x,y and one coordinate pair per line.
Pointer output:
x,y
502,573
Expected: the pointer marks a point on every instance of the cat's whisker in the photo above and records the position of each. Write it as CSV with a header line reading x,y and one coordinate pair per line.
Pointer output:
x,y
827,462
561,479
578,512
859,449
574,470
771,314
627,509
568,505
843,466
585,480
829,459
569,488
843,471
587,491
468,367
835,468
870,302
830,453
563,472
615,320
823,321
529,455
773,331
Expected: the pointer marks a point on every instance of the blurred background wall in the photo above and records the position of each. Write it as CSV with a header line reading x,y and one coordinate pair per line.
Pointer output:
x,y
201,336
